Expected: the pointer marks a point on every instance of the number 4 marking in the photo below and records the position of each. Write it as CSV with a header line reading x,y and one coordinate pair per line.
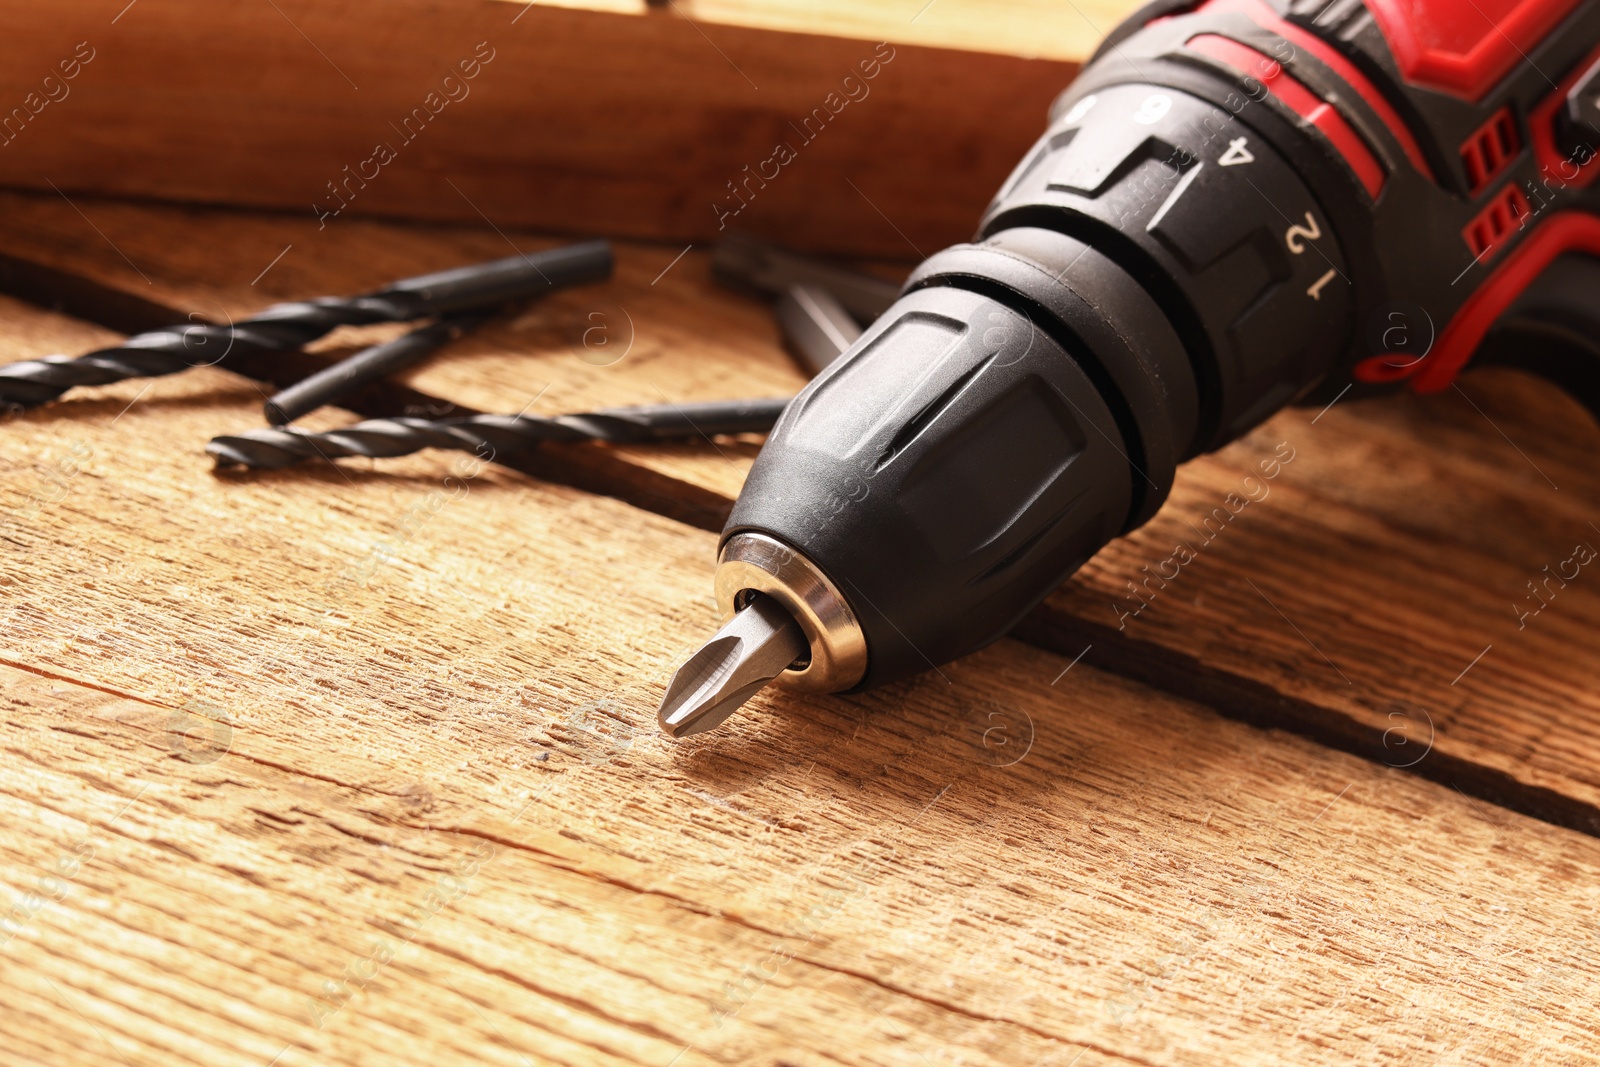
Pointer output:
x,y
1237,153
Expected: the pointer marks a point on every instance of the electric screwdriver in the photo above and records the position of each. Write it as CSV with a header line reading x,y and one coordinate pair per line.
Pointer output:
x,y
1237,205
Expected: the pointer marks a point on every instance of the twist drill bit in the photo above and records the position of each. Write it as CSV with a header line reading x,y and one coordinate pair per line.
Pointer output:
x,y
270,449
368,365
290,325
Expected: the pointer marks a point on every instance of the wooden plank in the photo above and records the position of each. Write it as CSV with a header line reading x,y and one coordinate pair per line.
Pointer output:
x,y
440,824
1015,28
574,120
1372,597
661,331
1397,540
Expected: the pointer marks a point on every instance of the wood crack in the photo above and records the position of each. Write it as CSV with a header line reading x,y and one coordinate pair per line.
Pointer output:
x,y
590,467
594,469
737,920
1250,701
82,683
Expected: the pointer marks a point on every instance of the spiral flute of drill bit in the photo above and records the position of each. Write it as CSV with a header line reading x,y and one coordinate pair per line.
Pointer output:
x,y
287,326
490,435
178,348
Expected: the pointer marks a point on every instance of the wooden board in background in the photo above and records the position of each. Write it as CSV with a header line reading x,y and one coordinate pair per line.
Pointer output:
x,y
1069,32
1013,862
581,122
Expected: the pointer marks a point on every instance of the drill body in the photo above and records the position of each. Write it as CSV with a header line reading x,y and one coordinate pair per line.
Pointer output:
x,y
1238,205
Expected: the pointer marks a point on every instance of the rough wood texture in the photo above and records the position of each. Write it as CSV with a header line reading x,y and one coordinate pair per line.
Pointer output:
x,y
359,750
1397,541
1372,597
660,331
575,120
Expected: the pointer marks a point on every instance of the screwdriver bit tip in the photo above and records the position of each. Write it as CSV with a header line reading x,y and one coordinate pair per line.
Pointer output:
x,y
757,644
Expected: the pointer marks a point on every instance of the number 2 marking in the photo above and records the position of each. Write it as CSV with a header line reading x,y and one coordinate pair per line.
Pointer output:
x,y
1298,235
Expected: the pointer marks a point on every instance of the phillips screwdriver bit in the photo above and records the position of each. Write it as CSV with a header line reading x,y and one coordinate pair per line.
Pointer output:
x,y
759,643
290,325
270,449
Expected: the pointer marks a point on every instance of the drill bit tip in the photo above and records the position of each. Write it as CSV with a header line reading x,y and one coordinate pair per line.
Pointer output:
x,y
757,644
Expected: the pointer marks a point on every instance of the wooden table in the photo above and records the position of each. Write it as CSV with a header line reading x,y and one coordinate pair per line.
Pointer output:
x,y
357,763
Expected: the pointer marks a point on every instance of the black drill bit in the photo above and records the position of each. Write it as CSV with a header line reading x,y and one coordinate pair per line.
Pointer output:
x,y
753,265
817,327
556,268
490,435
367,365
290,325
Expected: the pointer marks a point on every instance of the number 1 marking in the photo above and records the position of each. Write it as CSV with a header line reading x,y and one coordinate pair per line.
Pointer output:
x,y
1315,292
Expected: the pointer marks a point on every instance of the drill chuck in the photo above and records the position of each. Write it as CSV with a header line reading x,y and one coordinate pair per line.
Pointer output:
x,y
976,447
1129,303
1217,203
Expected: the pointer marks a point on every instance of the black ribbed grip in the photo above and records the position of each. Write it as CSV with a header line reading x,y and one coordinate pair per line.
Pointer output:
x,y
956,465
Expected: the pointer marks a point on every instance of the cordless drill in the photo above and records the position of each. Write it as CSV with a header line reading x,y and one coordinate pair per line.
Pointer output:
x,y
1238,205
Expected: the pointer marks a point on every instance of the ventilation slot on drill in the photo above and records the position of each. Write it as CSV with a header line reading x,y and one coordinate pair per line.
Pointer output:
x,y
919,422
1495,223
1490,151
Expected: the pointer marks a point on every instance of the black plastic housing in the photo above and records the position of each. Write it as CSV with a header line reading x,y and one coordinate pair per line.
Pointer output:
x,y
976,447
1186,250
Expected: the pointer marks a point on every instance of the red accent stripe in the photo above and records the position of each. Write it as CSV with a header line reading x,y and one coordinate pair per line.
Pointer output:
x,y
1571,231
1262,15
1492,148
1464,49
1508,211
1302,101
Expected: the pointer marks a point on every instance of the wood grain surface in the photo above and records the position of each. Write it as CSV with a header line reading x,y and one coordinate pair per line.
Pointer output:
x,y
1352,603
1379,596
356,766
660,332
663,126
